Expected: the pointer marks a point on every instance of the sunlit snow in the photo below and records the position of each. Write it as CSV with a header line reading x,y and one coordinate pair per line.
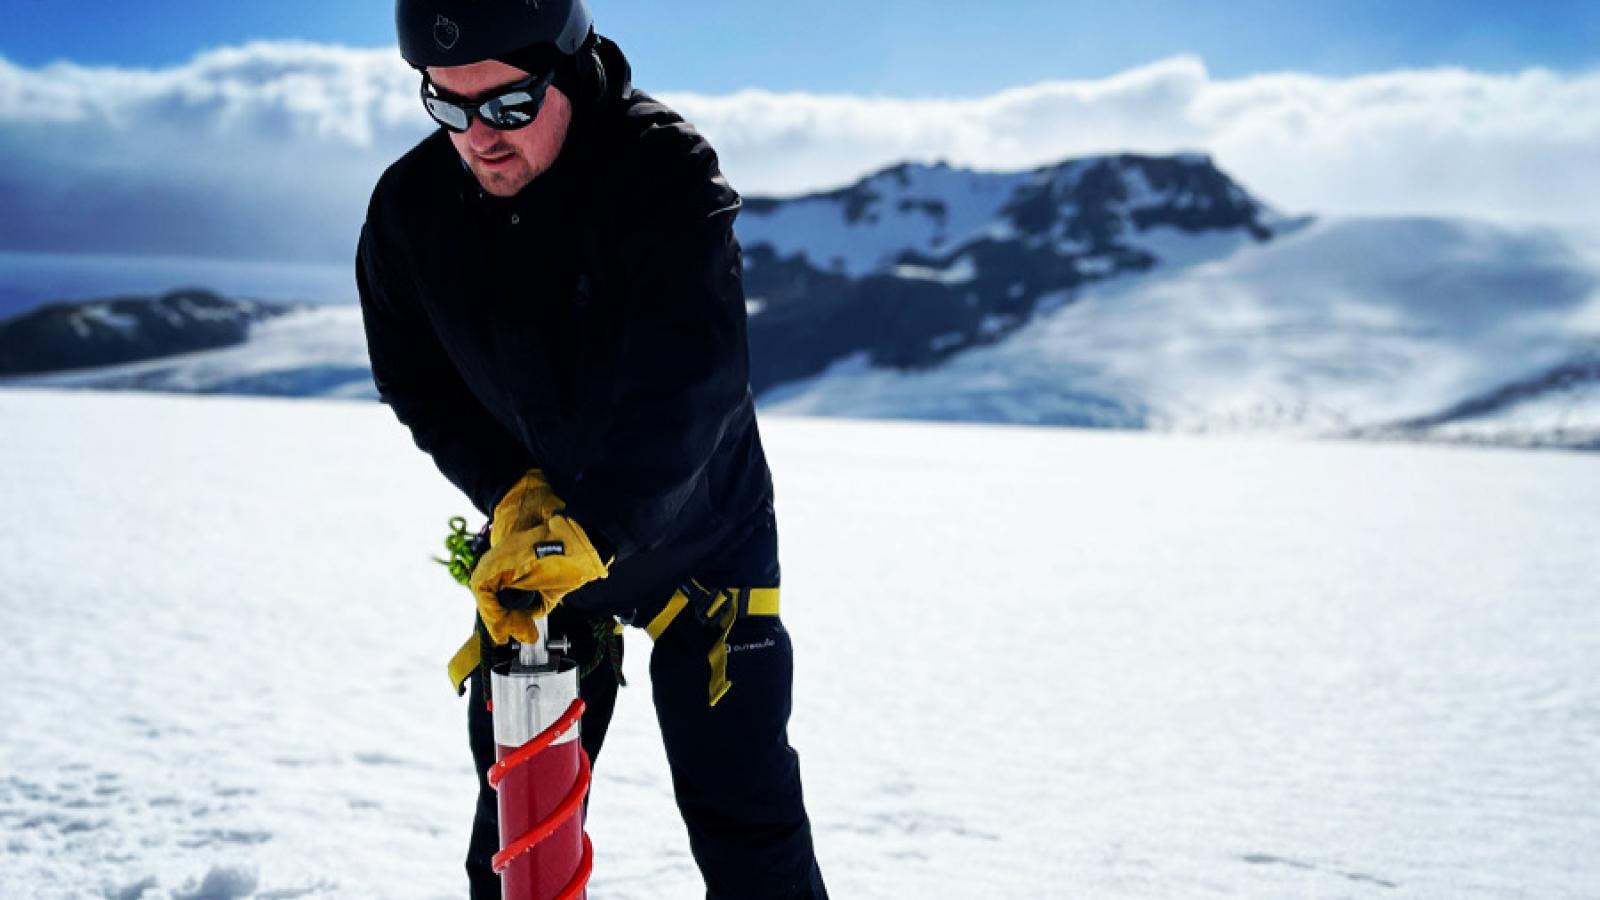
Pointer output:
x,y
1032,663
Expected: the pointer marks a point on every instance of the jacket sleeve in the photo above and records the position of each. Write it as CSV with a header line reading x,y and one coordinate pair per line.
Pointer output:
x,y
683,374
418,381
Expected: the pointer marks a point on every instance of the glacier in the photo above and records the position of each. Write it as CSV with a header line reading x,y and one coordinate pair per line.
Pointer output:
x,y
1032,662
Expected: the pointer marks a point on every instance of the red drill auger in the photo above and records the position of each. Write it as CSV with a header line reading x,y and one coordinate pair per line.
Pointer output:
x,y
542,776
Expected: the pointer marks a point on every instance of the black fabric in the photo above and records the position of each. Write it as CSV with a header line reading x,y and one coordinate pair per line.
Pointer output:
x,y
734,776
593,326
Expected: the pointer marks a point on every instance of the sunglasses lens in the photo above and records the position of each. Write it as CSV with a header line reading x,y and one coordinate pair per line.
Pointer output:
x,y
514,109
512,117
446,113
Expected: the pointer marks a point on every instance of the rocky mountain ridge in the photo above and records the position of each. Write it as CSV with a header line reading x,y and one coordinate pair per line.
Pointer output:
x,y
917,263
1118,292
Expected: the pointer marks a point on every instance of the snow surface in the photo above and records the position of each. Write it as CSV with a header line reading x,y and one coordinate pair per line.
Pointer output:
x,y
962,271
1032,663
818,229
101,314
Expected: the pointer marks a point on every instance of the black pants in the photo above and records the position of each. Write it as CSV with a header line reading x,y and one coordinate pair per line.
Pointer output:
x,y
735,777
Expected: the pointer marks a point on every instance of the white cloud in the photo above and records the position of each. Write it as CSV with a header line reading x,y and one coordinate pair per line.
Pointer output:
x,y
1441,141
266,150
270,149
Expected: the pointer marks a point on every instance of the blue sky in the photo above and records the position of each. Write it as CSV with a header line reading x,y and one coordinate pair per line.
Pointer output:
x,y
898,47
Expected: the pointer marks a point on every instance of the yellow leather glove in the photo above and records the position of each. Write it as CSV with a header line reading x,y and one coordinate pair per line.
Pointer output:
x,y
530,502
533,548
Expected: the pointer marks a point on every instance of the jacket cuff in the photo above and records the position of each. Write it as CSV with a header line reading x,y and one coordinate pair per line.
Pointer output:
x,y
603,546
492,490
609,543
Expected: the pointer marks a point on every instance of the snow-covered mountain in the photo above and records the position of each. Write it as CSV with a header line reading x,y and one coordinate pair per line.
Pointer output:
x,y
916,264
126,329
1121,291
310,351
1558,407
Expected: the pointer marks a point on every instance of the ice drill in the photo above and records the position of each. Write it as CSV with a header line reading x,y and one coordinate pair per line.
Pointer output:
x,y
542,775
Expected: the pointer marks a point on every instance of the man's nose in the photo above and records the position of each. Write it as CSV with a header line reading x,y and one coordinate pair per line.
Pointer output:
x,y
481,136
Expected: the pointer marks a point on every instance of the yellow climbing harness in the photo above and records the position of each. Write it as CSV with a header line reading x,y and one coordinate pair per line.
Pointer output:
x,y
721,607
464,662
724,607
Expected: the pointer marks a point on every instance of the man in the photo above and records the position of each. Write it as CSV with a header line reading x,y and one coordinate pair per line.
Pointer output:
x,y
552,296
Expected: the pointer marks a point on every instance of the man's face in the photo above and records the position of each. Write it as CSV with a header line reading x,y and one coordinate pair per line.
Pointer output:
x,y
505,162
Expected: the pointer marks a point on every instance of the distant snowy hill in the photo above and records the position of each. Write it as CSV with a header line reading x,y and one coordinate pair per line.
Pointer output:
x,y
1558,407
1122,291
313,351
1398,328
126,329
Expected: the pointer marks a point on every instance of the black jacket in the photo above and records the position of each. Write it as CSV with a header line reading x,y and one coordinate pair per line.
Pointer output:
x,y
592,326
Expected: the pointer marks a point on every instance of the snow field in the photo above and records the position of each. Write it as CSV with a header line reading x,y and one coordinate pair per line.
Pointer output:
x,y
1032,663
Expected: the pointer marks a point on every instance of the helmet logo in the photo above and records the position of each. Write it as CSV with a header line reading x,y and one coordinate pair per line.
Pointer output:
x,y
446,33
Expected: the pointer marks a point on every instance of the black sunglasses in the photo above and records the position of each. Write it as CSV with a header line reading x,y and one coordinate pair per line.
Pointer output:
x,y
516,106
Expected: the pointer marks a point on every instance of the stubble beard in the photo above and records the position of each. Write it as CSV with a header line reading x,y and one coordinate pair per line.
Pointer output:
x,y
526,166
506,183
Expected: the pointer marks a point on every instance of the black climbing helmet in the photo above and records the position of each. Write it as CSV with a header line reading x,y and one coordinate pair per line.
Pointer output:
x,y
533,35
